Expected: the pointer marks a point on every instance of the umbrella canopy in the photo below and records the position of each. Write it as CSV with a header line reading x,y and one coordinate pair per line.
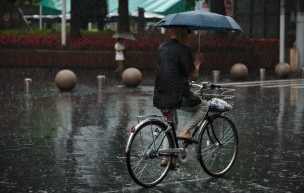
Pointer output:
x,y
200,20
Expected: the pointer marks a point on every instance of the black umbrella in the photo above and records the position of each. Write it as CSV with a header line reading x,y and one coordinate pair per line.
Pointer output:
x,y
200,20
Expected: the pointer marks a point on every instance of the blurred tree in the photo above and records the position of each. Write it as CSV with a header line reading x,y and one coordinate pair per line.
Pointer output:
x,y
27,2
75,18
300,6
217,6
85,11
4,6
19,2
102,10
190,4
93,11
8,6
123,18
8,13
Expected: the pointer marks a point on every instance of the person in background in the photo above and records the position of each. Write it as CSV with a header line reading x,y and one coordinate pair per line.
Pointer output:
x,y
119,55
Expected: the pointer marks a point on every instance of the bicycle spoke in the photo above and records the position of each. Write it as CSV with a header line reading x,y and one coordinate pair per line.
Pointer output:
x,y
210,159
142,140
208,149
227,139
142,170
211,153
135,156
161,141
152,144
138,163
152,137
213,150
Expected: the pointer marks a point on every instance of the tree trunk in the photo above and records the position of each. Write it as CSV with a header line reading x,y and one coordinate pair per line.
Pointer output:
x,y
103,13
3,10
8,14
217,6
141,20
75,18
300,5
123,18
87,10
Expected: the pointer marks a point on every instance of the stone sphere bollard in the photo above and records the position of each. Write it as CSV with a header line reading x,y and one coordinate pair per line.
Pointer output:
x,y
65,80
239,71
131,77
282,70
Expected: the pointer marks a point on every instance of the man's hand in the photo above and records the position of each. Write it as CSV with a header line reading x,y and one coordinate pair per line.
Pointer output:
x,y
197,63
199,58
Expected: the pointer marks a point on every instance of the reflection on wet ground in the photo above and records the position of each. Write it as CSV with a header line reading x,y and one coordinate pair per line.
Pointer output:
x,y
52,142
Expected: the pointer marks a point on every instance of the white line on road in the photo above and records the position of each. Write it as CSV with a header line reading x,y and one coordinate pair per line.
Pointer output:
x,y
258,83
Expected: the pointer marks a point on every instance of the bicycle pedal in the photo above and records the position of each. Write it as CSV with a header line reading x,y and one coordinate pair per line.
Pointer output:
x,y
174,163
183,156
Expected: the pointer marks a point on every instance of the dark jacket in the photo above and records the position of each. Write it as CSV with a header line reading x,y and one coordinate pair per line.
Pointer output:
x,y
174,69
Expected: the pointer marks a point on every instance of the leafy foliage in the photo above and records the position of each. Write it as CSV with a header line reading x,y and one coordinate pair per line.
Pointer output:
x,y
218,51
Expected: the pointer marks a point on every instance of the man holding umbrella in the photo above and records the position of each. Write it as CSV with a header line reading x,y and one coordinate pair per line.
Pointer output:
x,y
176,67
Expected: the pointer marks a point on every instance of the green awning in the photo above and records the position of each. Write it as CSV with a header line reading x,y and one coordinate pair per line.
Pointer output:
x,y
53,7
163,7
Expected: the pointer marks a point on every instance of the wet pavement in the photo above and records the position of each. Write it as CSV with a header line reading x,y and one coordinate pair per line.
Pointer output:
x,y
53,142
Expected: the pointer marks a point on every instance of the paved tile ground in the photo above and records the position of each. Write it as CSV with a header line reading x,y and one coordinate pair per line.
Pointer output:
x,y
52,142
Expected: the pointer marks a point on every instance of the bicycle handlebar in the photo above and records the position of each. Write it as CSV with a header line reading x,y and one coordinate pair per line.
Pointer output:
x,y
204,87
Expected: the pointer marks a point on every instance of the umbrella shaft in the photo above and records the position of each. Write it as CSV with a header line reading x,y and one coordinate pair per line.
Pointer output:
x,y
199,42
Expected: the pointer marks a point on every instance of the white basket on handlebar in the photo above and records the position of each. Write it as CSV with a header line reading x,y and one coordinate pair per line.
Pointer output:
x,y
218,105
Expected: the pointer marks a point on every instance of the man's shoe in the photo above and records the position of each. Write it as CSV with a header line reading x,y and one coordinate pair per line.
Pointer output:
x,y
164,163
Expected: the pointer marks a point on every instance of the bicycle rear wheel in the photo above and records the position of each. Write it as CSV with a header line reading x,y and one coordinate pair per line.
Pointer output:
x,y
218,146
145,163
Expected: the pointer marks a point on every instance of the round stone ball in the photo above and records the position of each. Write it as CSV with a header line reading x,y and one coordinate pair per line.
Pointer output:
x,y
282,70
65,80
131,77
239,71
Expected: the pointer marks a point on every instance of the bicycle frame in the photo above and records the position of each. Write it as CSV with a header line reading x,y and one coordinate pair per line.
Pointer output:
x,y
198,128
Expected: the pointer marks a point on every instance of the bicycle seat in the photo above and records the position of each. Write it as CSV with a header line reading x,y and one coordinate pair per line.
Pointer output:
x,y
218,105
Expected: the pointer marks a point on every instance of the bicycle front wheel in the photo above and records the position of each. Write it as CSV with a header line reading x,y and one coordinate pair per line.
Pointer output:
x,y
146,165
218,146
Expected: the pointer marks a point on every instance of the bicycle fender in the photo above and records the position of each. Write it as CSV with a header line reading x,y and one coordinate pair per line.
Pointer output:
x,y
134,129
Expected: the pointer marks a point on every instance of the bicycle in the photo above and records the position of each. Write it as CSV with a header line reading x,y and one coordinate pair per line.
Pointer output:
x,y
154,139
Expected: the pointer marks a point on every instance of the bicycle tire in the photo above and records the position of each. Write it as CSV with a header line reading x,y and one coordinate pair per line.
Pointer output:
x,y
141,138
213,140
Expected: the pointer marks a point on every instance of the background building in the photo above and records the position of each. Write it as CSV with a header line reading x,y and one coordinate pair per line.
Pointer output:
x,y
263,19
